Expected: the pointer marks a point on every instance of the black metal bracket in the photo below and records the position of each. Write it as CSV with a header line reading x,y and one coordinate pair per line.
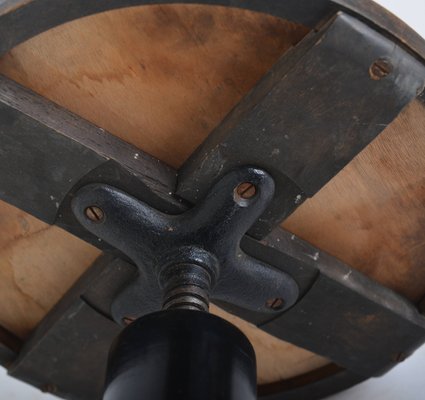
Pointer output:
x,y
186,256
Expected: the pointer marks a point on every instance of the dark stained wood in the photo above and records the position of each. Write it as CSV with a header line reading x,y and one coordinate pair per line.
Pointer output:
x,y
181,59
95,68
53,354
307,119
357,309
380,18
177,78
18,23
371,215
10,345
46,151
344,313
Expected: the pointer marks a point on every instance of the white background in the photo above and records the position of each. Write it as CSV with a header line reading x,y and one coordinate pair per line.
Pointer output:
x,y
406,382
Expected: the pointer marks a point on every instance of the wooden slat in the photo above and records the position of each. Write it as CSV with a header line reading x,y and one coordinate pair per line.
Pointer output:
x,y
306,120
160,77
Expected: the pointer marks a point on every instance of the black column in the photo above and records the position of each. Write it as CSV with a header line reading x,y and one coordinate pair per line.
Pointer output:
x,y
181,354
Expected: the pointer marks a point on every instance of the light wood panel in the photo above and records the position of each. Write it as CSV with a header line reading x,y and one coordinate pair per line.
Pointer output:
x,y
276,360
161,78
372,215
38,264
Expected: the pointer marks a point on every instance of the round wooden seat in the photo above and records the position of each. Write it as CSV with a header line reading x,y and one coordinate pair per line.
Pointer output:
x,y
162,77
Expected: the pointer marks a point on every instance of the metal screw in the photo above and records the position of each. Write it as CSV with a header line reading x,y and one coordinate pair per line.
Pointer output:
x,y
49,388
128,320
400,357
380,69
94,214
275,304
246,190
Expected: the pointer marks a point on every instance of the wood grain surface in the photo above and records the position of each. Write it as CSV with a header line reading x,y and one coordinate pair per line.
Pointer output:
x,y
38,264
372,215
161,78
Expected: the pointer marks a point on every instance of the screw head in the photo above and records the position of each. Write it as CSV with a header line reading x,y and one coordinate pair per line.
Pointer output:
x,y
49,388
380,69
275,304
244,193
94,214
246,190
400,357
128,320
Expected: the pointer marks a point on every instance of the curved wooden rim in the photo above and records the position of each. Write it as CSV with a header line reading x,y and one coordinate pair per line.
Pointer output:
x,y
17,22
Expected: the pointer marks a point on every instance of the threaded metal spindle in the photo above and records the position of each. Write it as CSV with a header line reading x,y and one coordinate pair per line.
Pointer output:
x,y
186,286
